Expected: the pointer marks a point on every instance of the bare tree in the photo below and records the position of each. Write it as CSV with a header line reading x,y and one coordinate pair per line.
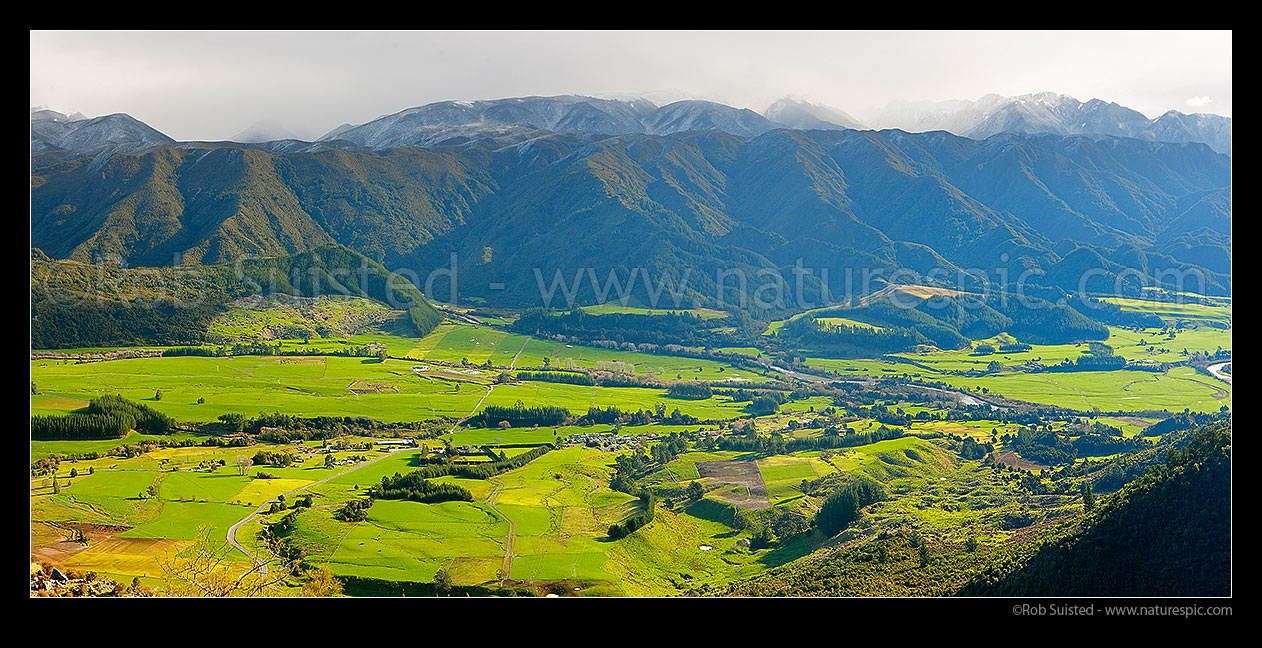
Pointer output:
x,y
205,569
243,463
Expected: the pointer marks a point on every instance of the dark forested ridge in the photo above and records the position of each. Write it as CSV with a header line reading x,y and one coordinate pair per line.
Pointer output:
x,y
1168,533
640,208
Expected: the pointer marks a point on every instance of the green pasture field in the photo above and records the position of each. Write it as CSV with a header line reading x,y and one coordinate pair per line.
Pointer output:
x,y
906,457
783,475
106,497
1193,338
47,448
578,398
561,508
476,344
183,520
1129,427
1172,311
46,405
810,404
965,360
869,368
980,430
251,385
663,366
219,486
409,541
1125,343
121,484
1180,388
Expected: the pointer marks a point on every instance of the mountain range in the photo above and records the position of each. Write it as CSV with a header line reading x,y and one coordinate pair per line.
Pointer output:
x,y
446,121
1052,113
54,131
507,197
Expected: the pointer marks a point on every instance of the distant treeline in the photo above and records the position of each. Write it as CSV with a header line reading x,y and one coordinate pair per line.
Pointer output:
x,y
557,377
614,414
485,470
415,488
287,428
761,401
521,415
1088,363
683,329
1009,347
691,390
276,349
107,417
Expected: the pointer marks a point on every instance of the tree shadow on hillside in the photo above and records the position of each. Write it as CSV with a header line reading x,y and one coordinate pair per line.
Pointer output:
x,y
789,549
713,511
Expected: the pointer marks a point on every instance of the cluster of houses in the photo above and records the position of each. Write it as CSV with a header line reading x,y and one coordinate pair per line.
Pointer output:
x,y
610,442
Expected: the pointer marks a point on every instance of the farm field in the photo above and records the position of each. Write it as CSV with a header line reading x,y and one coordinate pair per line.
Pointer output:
x,y
1175,311
663,366
560,506
46,448
578,398
866,368
539,436
1178,389
251,385
478,345
1125,342
549,521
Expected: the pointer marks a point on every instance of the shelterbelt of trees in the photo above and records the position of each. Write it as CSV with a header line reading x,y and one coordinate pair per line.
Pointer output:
x,y
667,329
106,417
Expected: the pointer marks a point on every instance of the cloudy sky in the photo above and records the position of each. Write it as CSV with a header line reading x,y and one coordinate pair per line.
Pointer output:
x,y
213,85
